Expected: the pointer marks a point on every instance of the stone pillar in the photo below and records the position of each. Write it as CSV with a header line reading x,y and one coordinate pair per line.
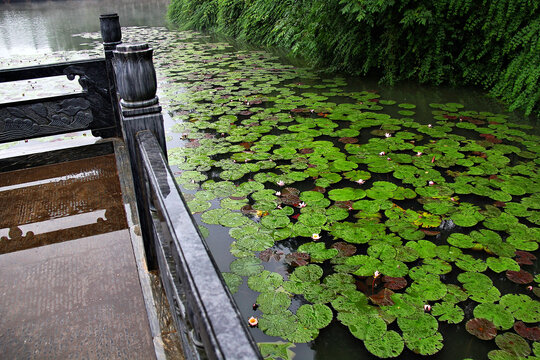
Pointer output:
x,y
140,110
111,35
137,84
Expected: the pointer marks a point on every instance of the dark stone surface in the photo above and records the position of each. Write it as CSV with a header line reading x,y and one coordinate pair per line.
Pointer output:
x,y
91,109
79,299
55,157
210,307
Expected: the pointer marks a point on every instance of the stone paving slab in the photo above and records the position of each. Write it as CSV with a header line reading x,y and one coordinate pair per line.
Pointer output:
x,y
78,299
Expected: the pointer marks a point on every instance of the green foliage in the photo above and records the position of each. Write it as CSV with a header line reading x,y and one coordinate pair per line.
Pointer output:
x,y
491,44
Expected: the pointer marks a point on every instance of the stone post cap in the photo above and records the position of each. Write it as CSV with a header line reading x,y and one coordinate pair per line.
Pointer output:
x,y
133,48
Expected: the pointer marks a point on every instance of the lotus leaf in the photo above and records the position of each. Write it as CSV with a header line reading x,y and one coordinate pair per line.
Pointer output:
x,y
448,253
233,203
275,221
522,307
233,281
366,265
424,345
277,324
382,251
312,219
449,312
232,219
246,266
265,281
481,328
436,266
346,194
461,240
336,214
276,350
393,268
420,325
352,301
350,232
318,251
213,216
502,355
300,334
530,333
363,326
469,263
308,273
496,313
424,248
519,277
389,346
315,316
455,294
429,288
196,206
513,343
501,264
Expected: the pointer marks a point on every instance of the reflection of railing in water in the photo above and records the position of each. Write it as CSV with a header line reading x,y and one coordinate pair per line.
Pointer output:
x,y
205,314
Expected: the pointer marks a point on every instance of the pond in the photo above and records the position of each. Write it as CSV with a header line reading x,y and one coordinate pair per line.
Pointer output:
x,y
354,221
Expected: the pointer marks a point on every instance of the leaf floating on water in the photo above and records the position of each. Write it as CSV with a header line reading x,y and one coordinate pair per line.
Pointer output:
x,y
394,283
276,350
531,333
513,343
389,346
524,258
519,277
383,297
481,328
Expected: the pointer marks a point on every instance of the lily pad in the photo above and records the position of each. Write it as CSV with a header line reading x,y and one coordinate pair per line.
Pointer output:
x,y
315,316
272,302
483,329
246,266
513,343
390,345
233,281
496,313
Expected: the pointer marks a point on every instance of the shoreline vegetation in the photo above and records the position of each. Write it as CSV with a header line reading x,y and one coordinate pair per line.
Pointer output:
x,y
493,45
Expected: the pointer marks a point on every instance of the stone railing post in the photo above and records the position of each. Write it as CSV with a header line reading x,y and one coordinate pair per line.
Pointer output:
x,y
140,110
111,34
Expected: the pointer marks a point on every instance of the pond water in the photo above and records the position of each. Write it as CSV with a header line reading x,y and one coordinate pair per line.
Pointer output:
x,y
362,221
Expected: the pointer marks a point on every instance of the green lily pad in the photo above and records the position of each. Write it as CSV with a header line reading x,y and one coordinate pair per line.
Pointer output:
x,y
500,264
276,350
363,326
513,343
449,312
367,265
390,345
315,316
522,307
346,194
233,281
277,324
275,221
273,302
246,266
265,281
318,251
350,232
496,313
424,345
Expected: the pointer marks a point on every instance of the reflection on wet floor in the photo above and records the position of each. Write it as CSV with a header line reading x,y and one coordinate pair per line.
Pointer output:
x,y
54,203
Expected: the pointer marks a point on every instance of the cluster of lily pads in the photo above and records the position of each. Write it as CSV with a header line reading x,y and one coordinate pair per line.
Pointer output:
x,y
387,223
